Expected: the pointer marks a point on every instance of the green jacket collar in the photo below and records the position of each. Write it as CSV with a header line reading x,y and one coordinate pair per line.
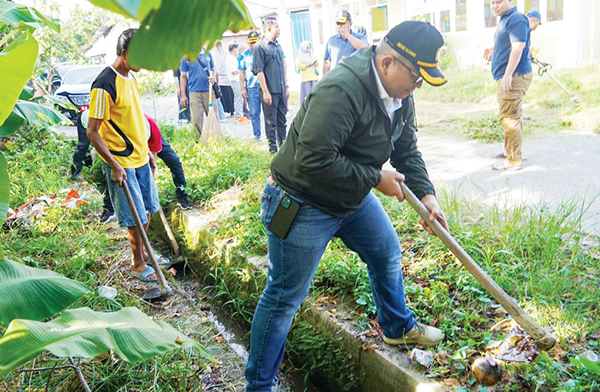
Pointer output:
x,y
361,65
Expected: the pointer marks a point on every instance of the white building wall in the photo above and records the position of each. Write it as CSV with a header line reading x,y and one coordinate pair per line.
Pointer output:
x,y
574,41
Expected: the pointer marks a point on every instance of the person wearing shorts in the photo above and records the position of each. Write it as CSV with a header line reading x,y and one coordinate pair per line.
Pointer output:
x,y
117,131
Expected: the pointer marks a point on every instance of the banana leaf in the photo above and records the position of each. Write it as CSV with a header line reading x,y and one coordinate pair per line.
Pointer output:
x,y
4,191
175,28
83,333
16,66
22,16
136,9
33,293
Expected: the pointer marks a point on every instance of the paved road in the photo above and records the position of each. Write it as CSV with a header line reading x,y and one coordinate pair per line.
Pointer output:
x,y
558,169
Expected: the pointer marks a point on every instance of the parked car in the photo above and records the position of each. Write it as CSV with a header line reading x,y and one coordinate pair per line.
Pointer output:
x,y
57,74
75,88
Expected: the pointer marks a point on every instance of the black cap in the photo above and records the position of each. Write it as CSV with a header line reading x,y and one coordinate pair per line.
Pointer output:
x,y
342,17
420,43
253,37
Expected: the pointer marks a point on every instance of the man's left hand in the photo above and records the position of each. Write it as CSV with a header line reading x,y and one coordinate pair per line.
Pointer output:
x,y
152,162
435,213
506,84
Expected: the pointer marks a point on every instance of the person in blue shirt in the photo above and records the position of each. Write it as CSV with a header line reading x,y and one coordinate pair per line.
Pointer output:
x,y
196,74
250,85
511,68
343,44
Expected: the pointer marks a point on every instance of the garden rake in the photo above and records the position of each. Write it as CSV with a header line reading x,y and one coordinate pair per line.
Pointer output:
x,y
164,290
542,338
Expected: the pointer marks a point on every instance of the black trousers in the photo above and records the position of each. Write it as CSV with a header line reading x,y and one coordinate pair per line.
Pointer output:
x,y
82,155
274,113
227,99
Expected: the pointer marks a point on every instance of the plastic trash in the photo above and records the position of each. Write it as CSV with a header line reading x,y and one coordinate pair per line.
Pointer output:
x,y
107,292
424,358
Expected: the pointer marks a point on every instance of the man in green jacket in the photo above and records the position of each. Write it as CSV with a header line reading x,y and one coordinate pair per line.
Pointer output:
x,y
359,116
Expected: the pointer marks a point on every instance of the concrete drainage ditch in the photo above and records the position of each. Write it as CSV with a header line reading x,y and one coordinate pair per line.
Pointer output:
x,y
356,366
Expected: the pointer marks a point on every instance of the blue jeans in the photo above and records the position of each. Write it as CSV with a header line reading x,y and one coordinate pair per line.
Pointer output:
x,y
143,192
292,265
254,103
221,110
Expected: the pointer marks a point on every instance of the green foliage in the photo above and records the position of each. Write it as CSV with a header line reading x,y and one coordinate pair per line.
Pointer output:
x,y
75,36
33,293
194,23
24,18
16,65
322,356
214,168
83,333
4,189
485,129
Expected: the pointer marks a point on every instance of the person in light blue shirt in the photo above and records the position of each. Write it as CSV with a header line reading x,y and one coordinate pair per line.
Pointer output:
x,y
250,85
343,44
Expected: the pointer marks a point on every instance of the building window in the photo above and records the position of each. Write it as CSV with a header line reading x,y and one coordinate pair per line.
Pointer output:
x,y
555,10
379,19
531,5
445,21
423,18
490,18
461,15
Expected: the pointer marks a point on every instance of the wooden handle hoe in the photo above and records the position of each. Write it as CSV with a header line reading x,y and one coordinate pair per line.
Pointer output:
x,y
165,289
543,339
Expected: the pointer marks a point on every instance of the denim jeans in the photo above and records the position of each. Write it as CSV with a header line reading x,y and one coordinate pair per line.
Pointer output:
x,y
174,164
275,128
254,103
221,110
292,265
143,192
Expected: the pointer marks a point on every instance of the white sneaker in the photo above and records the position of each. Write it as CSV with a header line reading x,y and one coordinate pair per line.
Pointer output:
x,y
419,334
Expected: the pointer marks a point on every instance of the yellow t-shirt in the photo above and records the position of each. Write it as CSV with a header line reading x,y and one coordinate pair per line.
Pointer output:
x,y
116,100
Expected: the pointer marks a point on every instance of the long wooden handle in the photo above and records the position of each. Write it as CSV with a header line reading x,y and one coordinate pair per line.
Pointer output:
x,y
543,339
138,222
170,234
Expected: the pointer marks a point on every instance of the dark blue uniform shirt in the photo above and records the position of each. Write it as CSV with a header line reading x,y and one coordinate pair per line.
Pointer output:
x,y
513,27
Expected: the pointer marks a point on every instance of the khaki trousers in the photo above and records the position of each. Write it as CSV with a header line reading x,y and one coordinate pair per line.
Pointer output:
x,y
511,116
198,108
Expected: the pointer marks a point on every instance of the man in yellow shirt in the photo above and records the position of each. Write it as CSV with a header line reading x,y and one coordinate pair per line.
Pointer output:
x,y
117,130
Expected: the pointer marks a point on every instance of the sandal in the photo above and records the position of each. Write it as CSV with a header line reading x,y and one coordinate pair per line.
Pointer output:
x,y
162,260
143,276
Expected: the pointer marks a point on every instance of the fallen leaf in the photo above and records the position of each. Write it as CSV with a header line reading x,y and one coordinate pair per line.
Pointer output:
x,y
370,346
451,382
568,295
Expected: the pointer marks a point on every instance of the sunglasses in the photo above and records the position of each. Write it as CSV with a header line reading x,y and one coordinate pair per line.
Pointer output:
x,y
415,76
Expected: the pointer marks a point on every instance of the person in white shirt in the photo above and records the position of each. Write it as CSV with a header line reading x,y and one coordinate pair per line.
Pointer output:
x,y
233,74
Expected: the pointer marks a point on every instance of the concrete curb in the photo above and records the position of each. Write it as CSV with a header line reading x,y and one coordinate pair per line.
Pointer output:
x,y
384,368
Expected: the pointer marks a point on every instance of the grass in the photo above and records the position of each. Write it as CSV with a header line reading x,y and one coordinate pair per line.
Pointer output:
x,y
72,242
547,106
538,256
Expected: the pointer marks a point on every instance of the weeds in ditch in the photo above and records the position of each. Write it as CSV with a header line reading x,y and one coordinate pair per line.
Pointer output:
x,y
538,256
73,243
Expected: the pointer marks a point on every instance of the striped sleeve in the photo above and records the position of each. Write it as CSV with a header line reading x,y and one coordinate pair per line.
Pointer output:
x,y
100,103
